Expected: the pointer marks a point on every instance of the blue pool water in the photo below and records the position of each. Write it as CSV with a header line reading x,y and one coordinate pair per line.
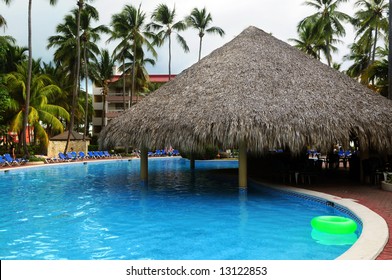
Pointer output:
x,y
100,210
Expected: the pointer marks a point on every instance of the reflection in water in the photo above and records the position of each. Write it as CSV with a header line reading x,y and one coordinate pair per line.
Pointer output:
x,y
334,239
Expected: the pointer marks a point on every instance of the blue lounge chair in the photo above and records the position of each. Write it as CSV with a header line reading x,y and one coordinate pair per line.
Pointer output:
x,y
91,154
71,156
96,154
12,161
82,155
63,157
101,154
108,155
3,162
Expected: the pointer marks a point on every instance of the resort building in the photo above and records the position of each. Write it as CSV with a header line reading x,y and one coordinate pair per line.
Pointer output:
x,y
115,101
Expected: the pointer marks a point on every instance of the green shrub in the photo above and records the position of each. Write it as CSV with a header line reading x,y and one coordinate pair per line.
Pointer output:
x,y
34,159
93,147
210,152
389,178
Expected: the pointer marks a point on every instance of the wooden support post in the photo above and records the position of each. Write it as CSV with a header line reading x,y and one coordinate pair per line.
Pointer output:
x,y
144,164
363,155
242,166
192,161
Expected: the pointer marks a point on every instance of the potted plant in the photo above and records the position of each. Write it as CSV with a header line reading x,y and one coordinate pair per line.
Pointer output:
x,y
387,183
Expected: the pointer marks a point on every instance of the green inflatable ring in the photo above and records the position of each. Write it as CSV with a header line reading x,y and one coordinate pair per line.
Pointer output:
x,y
334,224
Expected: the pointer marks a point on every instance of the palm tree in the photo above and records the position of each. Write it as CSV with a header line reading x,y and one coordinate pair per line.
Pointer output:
x,y
122,53
89,13
66,42
309,41
327,22
200,20
42,114
61,77
369,20
163,22
28,85
121,30
141,74
378,72
359,55
3,22
129,26
102,72
10,54
75,91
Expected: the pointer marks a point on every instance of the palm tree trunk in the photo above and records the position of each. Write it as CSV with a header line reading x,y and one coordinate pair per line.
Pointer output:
x,y
133,73
328,53
86,101
200,44
123,76
169,57
77,74
104,105
28,86
390,52
375,44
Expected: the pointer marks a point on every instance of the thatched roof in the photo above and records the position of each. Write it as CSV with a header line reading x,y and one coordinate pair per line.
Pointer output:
x,y
64,136
260,90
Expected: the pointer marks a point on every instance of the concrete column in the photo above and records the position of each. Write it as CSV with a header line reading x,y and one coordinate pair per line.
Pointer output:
x,y
144,164
242,166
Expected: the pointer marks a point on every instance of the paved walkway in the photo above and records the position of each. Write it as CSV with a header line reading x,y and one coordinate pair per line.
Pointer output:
x,y
372,196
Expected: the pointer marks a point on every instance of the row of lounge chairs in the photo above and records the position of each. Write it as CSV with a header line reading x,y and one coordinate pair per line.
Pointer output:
x,y
162,153
6,160
73,156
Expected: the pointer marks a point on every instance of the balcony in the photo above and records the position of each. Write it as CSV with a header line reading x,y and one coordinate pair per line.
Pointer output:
x,y
117,98
98,106
113,114
97,121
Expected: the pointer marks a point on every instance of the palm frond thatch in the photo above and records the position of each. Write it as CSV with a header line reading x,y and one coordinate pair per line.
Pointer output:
x,y
260,90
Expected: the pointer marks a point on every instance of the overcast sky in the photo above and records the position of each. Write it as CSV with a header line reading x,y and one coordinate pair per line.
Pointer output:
x,y
278,17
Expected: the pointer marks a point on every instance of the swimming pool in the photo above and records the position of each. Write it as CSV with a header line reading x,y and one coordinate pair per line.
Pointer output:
x,y
100,210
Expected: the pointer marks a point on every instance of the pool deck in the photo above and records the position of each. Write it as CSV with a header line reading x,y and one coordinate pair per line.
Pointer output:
x,y
371,196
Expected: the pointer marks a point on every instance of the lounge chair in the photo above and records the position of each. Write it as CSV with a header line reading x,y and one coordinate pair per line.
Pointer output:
x,y
4,162
107,154
101,154
12,161
91,154
97,154
72,156
63,157
82,155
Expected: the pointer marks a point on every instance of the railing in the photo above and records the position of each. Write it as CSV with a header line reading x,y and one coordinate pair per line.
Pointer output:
x,y
115,98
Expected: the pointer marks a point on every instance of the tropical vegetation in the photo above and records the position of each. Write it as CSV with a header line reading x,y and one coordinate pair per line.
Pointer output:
x,y
319,34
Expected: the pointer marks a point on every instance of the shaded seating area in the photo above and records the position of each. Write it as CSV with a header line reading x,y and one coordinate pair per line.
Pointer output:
x,y
373,168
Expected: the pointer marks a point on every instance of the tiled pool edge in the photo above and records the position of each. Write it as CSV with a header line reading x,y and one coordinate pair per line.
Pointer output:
x,y
375,232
